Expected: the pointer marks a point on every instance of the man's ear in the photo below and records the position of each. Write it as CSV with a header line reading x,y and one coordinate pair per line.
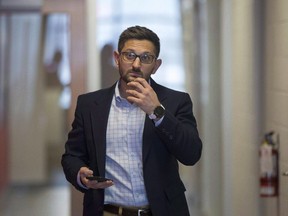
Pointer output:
x,y
157,65
116,57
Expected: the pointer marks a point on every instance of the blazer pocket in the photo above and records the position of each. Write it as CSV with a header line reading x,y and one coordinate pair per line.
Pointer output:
x,y
175,190
176,200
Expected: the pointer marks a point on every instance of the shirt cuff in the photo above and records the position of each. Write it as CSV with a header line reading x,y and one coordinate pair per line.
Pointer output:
x,y
158,122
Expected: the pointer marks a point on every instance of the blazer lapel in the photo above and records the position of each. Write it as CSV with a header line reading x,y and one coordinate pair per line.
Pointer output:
x,y
99,119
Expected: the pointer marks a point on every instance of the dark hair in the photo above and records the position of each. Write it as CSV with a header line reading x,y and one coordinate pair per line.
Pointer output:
x,y
139,33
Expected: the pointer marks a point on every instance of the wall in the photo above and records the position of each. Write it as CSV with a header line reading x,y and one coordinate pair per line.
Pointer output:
x,y
276,80
241,113
230,92
225,70
191,176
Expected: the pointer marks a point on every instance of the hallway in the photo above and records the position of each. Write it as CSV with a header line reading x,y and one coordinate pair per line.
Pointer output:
x,y
234,59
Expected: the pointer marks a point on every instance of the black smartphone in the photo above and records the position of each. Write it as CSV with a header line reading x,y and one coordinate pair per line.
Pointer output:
x,y
98,178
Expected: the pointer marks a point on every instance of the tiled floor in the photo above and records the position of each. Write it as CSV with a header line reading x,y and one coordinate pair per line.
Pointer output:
x,y
52,199
49,200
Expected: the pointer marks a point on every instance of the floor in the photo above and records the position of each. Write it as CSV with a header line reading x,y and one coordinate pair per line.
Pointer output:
x,y
52,199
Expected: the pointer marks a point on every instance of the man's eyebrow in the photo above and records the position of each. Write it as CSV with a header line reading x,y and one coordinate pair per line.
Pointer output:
x,y
131,50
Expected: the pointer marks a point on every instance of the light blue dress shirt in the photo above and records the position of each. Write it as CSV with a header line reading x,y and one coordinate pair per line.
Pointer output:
x,y
124,153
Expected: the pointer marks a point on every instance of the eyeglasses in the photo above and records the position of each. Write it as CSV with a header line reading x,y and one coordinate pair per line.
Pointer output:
x,y
145,58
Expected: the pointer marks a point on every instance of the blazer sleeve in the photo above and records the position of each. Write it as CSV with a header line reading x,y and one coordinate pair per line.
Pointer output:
x,y
178,130
75,155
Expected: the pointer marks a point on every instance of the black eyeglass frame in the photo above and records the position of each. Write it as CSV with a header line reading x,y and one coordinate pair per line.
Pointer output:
x,y
125,57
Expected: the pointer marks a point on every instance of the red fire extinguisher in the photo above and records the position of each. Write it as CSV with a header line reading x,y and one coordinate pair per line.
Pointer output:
x,y
269,180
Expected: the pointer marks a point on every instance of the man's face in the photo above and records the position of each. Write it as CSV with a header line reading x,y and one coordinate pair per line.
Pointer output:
x,y
130,69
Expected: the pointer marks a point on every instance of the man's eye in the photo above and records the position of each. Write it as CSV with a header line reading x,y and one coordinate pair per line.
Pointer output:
x,y
130,55
145,57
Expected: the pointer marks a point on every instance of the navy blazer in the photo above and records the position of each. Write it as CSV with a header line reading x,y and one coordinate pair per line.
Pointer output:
x,y
175,139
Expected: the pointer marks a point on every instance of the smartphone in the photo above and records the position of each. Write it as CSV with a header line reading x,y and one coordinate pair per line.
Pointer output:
x,y
98,178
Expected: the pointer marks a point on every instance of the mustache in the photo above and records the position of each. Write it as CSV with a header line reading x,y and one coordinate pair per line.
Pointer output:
x,y
137,70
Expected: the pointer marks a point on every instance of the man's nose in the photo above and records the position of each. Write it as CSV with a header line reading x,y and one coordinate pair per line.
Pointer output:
x,y
137,62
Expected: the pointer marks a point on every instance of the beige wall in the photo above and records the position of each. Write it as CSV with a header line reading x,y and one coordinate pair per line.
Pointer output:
x,y
276,92
240,109
227,98
240,153
231,119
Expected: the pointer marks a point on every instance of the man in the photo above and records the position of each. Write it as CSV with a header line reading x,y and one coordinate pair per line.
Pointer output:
x,y
133,133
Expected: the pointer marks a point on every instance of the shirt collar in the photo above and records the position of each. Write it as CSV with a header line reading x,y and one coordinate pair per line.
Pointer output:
x,y
120,101
117,92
